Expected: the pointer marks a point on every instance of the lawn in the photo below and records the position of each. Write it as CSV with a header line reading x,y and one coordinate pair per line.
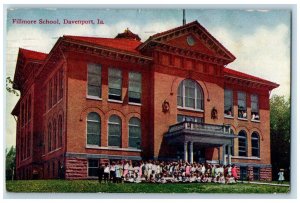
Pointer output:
x,y
93,186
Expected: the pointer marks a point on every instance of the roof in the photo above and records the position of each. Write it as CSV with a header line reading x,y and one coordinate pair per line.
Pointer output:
x,y
35,55
191,24
173,29
238,74
122,44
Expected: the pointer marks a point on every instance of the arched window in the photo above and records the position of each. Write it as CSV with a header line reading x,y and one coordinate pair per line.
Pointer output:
x,y
54,134
93,129
255,144
49,137
135,133
60,130
114,131
242,143
190,95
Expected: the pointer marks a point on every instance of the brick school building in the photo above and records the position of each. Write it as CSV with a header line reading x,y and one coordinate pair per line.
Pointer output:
x,y
172,97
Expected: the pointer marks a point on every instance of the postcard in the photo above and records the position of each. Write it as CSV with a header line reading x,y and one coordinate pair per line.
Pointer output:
x,y
148,100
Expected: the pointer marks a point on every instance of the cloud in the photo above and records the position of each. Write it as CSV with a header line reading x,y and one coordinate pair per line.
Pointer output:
x,y
264,53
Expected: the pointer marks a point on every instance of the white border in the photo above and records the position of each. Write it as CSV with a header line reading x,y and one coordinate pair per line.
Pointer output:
x,y
212,4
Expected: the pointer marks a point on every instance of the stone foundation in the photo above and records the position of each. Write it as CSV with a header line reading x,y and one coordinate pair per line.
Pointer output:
x,y
266,174
76,168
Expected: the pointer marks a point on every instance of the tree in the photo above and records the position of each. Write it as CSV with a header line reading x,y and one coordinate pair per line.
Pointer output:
x,y
9,88
280,124
10,163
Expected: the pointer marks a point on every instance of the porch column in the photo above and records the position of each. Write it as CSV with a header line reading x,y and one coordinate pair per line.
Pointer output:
x,y
219,155
191,152
229,154
185,151
224,155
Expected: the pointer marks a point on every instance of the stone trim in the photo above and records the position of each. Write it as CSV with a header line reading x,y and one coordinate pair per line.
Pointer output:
x,y
252,165
100,156
113,148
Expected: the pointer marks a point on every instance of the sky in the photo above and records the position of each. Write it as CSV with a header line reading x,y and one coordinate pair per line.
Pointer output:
x,y
259,39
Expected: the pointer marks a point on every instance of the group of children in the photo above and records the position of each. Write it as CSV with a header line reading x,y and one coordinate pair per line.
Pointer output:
x,y
166,172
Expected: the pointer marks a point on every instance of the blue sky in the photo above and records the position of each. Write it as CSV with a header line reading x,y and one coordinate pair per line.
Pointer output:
x,y
260,39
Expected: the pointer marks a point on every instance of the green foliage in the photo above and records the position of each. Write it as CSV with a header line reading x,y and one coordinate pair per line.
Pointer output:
x,y
280,124
10,163
93,186
9,84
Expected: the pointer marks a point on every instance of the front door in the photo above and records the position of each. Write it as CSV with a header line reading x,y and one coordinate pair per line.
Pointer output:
x,y
199,154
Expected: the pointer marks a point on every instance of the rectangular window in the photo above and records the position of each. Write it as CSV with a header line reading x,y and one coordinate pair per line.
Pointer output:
x,y
114,84
228,102
254,107
243,172
180,95
242,107
256,172
135,87
93,167
190,94
94,80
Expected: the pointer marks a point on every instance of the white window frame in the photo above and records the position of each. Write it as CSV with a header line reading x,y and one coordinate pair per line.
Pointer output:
x,y
183,96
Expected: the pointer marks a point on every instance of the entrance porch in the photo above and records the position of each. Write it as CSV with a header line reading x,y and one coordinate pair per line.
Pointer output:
x,y
192,138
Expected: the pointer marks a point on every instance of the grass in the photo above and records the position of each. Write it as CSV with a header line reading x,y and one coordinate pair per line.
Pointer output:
x,y
92,186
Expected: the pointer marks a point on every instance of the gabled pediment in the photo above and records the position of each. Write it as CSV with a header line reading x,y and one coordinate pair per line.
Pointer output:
x,y
193,37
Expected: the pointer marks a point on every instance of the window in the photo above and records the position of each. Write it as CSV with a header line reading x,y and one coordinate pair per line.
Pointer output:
x,y
242,108
54,89
254,107
243,173
190,95
114,131
242,136
228,102
50,94
135,87
94,80
93,129
114,84
49,137
256,172
135,133
61,84
54,134
93,167
182,118
60,130
255,144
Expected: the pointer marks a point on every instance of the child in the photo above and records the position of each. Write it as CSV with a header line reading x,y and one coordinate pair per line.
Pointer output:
x,y
106,173
222,179
281,176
